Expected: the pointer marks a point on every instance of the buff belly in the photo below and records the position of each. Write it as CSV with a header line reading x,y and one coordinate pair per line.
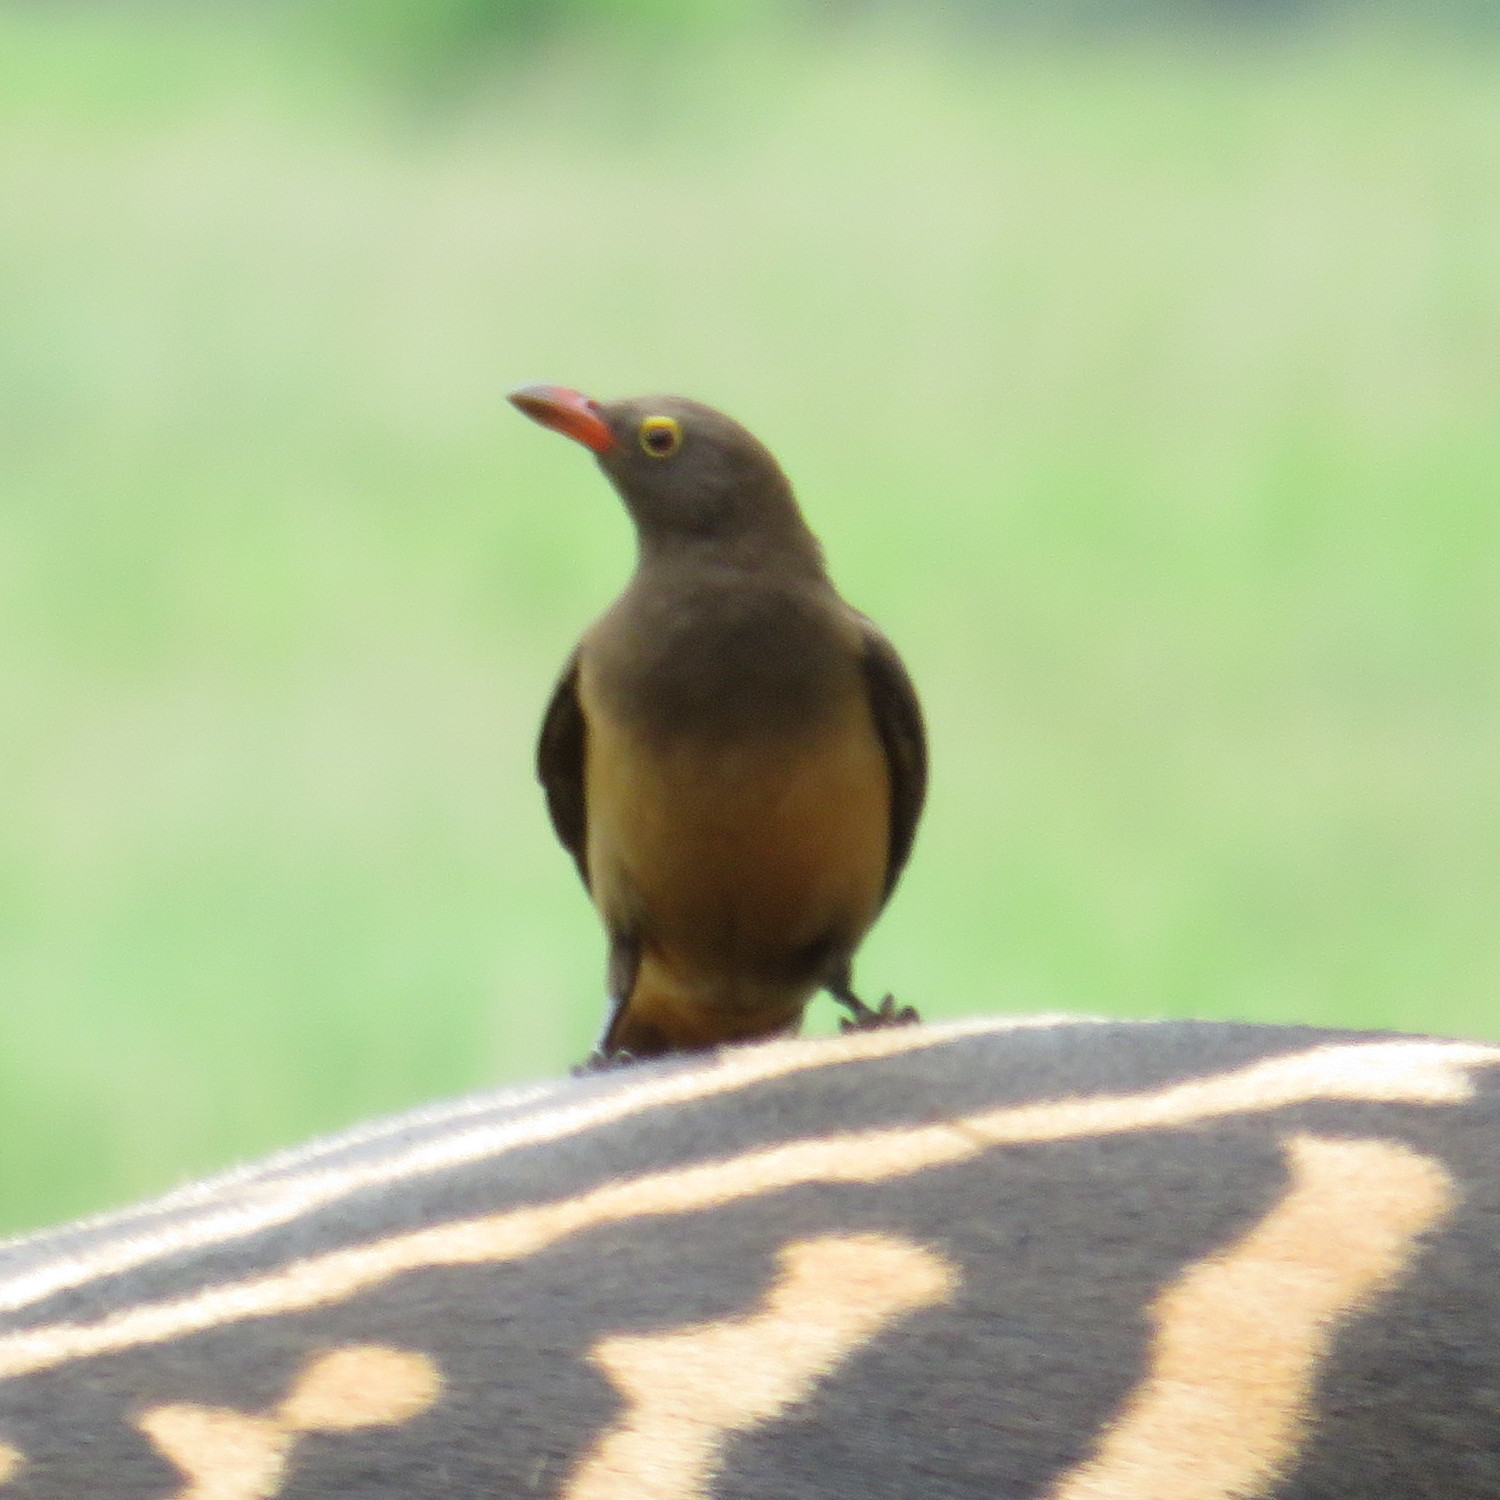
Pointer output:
x,y
743,869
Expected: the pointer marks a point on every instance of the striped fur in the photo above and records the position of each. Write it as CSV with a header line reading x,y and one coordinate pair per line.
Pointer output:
x,y
1060,1260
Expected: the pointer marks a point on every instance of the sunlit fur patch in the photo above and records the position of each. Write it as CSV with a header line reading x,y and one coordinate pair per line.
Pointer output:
x,y
1414,1072
10,1462
226,1455
233,1455
263,1205
1239,1335
690,1390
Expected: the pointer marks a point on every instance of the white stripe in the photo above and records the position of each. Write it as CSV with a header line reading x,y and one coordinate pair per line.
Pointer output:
x,y
262,1206
1412,1072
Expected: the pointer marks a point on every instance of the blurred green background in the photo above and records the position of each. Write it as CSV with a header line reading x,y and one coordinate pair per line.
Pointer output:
x,y
1138,364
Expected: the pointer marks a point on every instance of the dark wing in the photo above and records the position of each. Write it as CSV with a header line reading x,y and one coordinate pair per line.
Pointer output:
x,y
559,766
898,719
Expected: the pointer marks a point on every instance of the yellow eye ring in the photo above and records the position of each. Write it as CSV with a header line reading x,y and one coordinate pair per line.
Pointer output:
x,y
661,437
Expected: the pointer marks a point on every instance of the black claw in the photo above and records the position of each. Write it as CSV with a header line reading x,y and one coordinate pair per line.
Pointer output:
x,y
862,1017
600,1061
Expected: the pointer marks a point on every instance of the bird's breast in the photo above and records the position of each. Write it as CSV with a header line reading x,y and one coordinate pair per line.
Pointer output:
x,y
722,653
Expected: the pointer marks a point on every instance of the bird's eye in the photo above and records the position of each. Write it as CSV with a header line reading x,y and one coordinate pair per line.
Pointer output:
x,y
661,437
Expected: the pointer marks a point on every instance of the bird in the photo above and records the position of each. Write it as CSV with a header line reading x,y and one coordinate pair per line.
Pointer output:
x,y
734,756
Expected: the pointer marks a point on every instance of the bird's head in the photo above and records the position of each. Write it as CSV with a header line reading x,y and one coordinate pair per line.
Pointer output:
x,y
685,471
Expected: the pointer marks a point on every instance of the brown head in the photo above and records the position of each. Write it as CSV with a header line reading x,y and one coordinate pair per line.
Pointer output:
x,y
688,474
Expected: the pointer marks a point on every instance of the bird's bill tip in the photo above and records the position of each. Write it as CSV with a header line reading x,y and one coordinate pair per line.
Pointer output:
x,y
566,411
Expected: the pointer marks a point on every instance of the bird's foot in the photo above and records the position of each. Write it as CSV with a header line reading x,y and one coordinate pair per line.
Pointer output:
x,y
862,1017
600,1061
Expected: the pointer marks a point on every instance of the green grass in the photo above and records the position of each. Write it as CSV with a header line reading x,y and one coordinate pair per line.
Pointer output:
x,y
1147,397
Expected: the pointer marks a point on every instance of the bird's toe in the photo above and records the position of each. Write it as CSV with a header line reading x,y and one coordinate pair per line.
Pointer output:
x,y
888,1013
